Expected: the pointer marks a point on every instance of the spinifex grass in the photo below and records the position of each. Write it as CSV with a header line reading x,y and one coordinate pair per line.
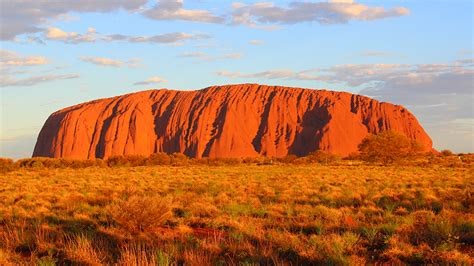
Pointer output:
x,y
261,214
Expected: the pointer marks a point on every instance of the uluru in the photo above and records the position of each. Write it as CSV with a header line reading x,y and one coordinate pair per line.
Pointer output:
x,y
246,120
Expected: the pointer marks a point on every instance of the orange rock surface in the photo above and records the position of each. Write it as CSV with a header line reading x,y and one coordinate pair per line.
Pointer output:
x,y
245,120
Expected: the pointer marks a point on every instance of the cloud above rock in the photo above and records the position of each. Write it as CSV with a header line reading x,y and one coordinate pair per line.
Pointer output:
x,y
151,81
30,16
174,10
13,59
332,12
56,34
441,95
13,68
109,62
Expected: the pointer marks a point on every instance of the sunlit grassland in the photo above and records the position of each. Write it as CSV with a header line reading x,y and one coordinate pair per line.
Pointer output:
x,y
253,214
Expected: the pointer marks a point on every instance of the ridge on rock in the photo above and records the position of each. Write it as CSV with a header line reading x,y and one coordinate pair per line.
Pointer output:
x,y
245,120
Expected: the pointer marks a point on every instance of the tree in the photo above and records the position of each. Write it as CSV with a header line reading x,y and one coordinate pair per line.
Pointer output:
x,y
447,153
388,147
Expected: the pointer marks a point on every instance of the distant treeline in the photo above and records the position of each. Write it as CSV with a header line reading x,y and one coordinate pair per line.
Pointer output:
x,y
177,159
385,148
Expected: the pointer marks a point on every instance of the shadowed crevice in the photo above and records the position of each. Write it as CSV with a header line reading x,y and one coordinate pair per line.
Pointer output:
x,y
262,129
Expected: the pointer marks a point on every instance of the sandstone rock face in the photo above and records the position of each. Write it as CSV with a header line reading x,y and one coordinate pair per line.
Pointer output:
x,y
245,120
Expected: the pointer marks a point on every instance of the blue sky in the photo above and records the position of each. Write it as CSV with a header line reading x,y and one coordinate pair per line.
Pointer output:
x,y
415,53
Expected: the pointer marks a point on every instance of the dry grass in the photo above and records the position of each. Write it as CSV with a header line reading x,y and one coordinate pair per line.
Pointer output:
x,y
140,213
237,214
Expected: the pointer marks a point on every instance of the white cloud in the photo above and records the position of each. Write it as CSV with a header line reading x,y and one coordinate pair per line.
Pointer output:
x,y
206,57
12,64
232,56
366,74
70,37
9,81
29,16
256,42
174,37
333,12
375,54
151,80
200,55
108,62
134,62
440,95
173,10
286,74
102,61
12,59
55,34
91,35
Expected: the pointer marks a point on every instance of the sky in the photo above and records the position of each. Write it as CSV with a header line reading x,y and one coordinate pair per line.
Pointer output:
x,y
55,54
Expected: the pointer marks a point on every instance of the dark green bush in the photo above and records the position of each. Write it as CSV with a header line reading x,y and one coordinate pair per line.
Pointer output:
x,y
447,153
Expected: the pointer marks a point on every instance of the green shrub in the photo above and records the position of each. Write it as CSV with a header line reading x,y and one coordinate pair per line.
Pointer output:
x,y
431,229
388,147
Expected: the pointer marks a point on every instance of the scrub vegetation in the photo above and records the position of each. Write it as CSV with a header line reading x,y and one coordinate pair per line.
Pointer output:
x,y
170,210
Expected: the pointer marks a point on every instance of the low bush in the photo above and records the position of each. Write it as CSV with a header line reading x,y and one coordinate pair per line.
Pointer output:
x,y
6,165
159,159
36,162
140,213
322,157
431,229
126,160
446,153
369,155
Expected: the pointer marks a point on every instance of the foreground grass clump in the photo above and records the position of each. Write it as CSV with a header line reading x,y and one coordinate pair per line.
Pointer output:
x,y
140,213
252,213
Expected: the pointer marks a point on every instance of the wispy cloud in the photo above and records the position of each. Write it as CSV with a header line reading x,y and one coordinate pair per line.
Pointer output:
x,y
9,81
29,16
332,12
207,57
12,64
151,80
446,88
12,59
108,62
364,74
256,42
92,35
57,34
270,74
102,61
376,54
174,10
166,38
